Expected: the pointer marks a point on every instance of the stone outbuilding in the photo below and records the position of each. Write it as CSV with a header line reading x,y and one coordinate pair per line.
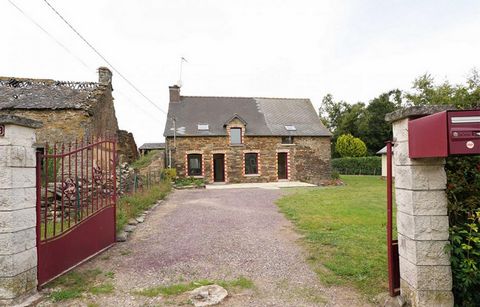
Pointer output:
x,y
233,139
383,153
68,110
147,147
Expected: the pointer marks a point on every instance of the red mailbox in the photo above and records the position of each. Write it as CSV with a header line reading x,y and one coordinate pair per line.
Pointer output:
x,y
445,133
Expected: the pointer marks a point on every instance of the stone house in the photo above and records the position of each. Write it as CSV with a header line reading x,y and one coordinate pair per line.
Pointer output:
x,y
68,110
147,147
233,139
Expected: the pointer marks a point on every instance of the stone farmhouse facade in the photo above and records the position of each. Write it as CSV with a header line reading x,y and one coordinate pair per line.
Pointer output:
x,y
68,110
240,140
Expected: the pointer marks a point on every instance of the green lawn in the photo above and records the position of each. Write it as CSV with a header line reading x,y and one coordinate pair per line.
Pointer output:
x,y
345,231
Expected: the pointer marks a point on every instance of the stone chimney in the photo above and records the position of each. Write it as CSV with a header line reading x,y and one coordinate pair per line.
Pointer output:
x,y
104,76
174,93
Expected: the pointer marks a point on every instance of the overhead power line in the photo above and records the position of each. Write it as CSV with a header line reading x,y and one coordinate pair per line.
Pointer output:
x,y
50,35
89,68
103,58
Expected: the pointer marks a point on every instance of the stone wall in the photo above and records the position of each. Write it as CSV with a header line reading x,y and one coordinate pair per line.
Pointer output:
x,y
58,125
308,157
18,253
103,119
127,148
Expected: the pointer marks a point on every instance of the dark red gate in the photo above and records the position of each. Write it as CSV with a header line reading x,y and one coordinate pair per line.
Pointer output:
x,y
76,200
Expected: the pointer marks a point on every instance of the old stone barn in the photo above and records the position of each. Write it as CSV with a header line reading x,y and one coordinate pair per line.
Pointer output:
x,y
236,140
68,110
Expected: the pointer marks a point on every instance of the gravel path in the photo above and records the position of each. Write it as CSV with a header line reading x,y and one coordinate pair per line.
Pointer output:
x,y
217,235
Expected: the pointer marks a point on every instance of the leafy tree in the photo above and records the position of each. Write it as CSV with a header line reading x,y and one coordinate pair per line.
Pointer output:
x,y
373,128
331,112
463,96
349,146
351,120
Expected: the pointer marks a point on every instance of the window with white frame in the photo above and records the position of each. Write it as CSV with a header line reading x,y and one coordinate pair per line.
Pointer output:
x,y
251,163
235,135
194,165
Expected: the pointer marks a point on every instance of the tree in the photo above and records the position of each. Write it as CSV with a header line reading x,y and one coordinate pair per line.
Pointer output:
x,y
373,128
463,96
331,112
349,146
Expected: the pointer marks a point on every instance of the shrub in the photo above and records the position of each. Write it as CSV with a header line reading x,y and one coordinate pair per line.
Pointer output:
x,y
463,193
188,181
146,159
349,146
169,173
358,166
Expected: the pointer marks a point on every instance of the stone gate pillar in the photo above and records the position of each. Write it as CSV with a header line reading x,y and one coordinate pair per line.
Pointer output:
x,y
18,252
422,221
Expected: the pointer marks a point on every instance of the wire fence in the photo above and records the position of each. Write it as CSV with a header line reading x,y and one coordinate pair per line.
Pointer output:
x,y
133,182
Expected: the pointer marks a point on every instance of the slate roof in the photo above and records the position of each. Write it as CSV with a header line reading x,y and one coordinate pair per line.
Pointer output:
x,y
264,116
152,146
18,93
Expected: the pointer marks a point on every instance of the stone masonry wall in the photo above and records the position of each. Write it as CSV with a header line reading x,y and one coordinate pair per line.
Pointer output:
x,y
309,157
127,148
58,125
18,253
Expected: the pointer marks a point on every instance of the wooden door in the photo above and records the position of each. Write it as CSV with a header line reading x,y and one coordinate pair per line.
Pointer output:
x,y
218,167
282,165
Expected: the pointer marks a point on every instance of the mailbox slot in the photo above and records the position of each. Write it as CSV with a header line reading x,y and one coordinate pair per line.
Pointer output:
x,y
445,133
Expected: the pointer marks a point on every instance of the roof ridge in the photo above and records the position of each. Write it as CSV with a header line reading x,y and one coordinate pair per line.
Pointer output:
x,y
243,97
26,82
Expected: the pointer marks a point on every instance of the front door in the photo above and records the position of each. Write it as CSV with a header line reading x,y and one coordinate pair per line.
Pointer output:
x,y
282,165
218,167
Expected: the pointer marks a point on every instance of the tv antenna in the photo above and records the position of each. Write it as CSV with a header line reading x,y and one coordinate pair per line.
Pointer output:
x,y
182,59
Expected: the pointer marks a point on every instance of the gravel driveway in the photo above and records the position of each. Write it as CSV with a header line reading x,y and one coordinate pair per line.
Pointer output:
x,y
217,235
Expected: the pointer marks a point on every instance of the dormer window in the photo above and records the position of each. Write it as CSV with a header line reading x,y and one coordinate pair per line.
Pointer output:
x,y
235,136
202,127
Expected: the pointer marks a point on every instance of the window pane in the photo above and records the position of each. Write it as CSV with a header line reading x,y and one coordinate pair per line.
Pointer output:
x,y
287,139
195,165
251,163
236,135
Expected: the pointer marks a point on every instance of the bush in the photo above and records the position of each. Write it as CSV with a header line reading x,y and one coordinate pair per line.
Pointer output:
x,y
169,173
463,193
349,146
358,166
189,181
146,159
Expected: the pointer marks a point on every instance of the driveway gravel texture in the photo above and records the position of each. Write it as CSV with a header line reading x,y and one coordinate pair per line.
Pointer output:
x,y
215,235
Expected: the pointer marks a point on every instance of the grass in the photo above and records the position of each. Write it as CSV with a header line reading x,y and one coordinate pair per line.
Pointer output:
x,y
345,231
176,289
74,284
130,206
145,160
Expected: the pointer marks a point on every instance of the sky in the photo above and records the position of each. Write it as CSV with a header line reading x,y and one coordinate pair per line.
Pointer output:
x,y
354,50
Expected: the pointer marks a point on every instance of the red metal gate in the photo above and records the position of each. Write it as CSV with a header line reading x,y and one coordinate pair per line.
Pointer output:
x,y
76,200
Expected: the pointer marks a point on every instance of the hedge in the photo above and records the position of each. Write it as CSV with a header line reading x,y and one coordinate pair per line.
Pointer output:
x,y
463,194
358,165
